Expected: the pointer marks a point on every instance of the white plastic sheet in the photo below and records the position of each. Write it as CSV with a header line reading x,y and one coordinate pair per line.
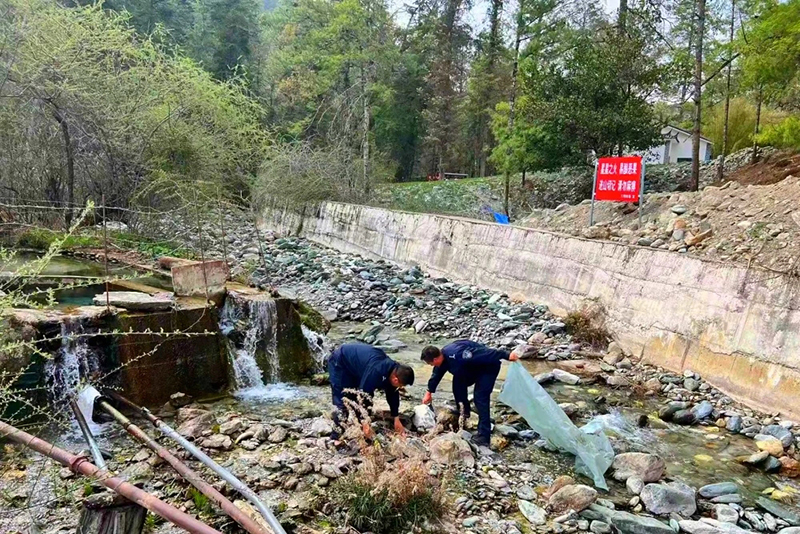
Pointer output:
x,y
593,452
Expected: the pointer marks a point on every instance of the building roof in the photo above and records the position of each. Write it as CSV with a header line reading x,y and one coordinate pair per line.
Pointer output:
x,y
687,132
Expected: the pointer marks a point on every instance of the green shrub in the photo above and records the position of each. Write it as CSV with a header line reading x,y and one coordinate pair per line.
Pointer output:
x,y
42,238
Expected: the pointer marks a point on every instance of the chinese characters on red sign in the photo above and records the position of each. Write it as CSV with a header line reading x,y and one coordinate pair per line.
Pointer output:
x,y
618,179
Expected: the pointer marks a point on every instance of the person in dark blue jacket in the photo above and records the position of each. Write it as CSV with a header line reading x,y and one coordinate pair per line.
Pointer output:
x,y
365,368
470,363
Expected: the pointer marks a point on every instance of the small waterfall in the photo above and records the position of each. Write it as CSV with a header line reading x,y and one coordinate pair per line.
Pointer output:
x,y
250,328
70,368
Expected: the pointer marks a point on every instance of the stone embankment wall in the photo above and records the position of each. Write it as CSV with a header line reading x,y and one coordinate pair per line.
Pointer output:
x,y
739,328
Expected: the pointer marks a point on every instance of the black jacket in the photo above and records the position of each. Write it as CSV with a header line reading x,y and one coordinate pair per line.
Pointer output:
x,y
366,368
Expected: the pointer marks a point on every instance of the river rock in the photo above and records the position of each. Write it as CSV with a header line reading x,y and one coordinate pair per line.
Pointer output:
x,y
790,530
781,433
450,448
626,523
703,410
193,428
635,485
507,431
691,384
726,514
424,418
647,467
756,458
534,514
321,427
732,498
278,435
565,377
573,497
734,423
697,527
790,467
179,400
526,493
229,428
772,465
600,527
779,510
217,441
770,444
715,490
558,483
684,417
664,499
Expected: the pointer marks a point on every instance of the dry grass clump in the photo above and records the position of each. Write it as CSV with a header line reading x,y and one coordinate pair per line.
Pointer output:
x,y
392,492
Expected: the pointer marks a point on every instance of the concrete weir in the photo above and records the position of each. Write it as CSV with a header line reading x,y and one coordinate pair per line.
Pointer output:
x,y
736,326
151,353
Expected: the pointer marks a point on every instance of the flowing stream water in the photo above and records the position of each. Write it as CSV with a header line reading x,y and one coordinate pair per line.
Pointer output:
x,y
250,329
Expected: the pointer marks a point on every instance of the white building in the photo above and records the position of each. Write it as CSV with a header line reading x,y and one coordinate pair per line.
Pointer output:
x,y
677,147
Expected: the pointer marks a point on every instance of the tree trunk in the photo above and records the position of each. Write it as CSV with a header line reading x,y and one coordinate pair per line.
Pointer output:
x,y
486,98
698,88
623,16
721,167
105,513
523,176
754,155
365,129
70,165
512,101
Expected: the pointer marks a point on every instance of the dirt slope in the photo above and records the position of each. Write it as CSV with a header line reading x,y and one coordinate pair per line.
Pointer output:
x,y
735,222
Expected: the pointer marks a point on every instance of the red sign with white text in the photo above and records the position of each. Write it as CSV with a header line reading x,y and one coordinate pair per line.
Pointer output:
x,y
618,179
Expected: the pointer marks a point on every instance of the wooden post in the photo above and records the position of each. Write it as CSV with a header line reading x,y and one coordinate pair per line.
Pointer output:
x,y
202,248
105,251
108,513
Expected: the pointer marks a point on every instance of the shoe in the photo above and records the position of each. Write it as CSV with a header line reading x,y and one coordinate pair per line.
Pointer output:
x,y
481,441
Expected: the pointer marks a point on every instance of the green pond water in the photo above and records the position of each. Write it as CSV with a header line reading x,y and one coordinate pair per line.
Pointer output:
x,y
63,267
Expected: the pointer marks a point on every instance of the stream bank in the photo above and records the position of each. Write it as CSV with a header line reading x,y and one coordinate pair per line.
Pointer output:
x,y
276,437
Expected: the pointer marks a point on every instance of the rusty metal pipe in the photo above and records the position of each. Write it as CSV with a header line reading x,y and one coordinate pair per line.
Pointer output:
x,y
82,465
223,473
187,473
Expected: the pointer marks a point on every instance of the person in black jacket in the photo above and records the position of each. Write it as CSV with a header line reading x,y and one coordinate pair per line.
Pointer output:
x,y
470,364
365,368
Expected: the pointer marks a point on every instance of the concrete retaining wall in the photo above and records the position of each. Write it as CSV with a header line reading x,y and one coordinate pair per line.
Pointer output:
x,y
737,327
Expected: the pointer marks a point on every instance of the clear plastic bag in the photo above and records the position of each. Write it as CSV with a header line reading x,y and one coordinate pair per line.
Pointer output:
x,y
593,452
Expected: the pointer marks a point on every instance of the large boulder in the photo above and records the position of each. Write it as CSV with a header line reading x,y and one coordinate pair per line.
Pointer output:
x,y
647,467
664,499
575,497
451,448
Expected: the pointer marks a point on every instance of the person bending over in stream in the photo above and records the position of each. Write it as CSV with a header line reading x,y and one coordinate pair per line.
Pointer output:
x,y
470,363
362,367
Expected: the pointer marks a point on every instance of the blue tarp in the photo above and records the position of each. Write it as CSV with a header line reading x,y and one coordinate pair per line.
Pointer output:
x,y
500,218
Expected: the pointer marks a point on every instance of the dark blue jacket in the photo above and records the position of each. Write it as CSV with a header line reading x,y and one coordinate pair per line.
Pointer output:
x,y
464,357
364,367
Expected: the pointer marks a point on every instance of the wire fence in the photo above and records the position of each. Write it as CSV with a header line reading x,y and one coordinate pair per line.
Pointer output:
x,y
195,227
